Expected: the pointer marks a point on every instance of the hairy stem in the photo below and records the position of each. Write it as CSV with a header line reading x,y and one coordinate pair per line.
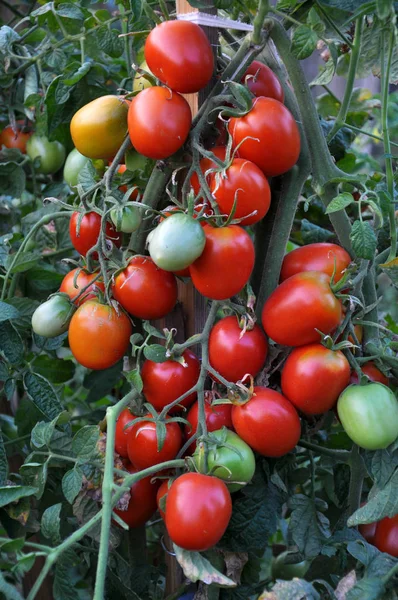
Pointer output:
x,y
358,472
342,455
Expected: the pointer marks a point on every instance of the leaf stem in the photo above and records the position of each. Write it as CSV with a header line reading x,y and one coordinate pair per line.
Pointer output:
x,y
342,455
358,472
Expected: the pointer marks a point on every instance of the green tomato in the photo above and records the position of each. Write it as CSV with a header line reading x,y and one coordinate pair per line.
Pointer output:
x,y
233,461
126,218
73,165
369,415
51,154
283,570
176,242
53,316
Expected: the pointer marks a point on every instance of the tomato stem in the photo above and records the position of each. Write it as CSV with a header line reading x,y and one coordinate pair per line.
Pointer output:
x,y
342,455
358,472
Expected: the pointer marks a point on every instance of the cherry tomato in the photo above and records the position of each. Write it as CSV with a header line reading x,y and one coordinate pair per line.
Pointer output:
x,y
368,531
127,218
299,306
99,128
313,377
234,355
74,163
369,415
244,181
386,536
90,227
144,290
162,493
226,263
268,422
142,444
165,382
261,81
316,257
15,138
275,138
121,434
206,164
99,335
199,509
51,154
142,503
82,280
370,370
159,121
216,416
180,55
52,318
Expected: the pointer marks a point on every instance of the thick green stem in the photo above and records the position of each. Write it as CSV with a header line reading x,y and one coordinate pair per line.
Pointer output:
x,y
370,332
345,105
339,219
263,9
358,472
342,455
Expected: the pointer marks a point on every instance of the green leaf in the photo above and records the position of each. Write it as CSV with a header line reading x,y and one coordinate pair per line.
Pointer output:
x,y
4,371
304,42
84,443
9,388
156,353
153,331
64,587
384,9
25,307
12,493
43,432
12,179
54,369
87,176
10,592
24,564
80,72
42,395
308,527
3,462
72,483
108,41
25,261
297,589
383,503
363,239
315,22
49,344
197,568
51,523
7,37
8,312
135,379
14,545
366,589
70,11
11,345
313,233
101,383
340,202
43,280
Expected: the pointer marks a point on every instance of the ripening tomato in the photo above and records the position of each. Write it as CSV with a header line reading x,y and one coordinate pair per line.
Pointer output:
x,y
268,422
199,509
226,263
261,81
144,290
74,163
142,503
316,257
86,237
142,444
313,377
162,493
99,128
82,280
53,317
180,55
299,306
234,355
245,182
386,535
273,142
159,121
121,432
165,382
51,154
126,218
372,372
217,416
99,335
15,138
206,164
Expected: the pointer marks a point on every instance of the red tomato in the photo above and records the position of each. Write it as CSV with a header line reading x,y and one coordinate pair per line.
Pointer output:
x,y
144,290
82,280
267,422
162,492
370,370
226,263
316,257
89,231
216,417
275,138
368,531
300,304
121,434
142,444
234,355
261,81
245,181
99,335
142,503
313,378
180,55
199,509
11,138
206,164
159,121
165,382
386,536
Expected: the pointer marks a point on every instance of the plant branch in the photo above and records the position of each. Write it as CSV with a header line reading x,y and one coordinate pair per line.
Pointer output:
x,y
358,472
342,455
263,9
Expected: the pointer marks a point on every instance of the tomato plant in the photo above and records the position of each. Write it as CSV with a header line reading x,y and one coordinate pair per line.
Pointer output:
x,y
51,155
143,446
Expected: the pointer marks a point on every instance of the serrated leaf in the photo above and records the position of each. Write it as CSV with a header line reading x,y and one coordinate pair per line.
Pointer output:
x,y
297,589
12,180
72,483
10,592
156,353
85,441
70,11
339,203
101,383
25,307
54,369
42,433
304,42
14,545
8,312
308,527
367,589
384,503
135,379
42,395
81,71
363,239
51,523
11,345
12,493
9,388
313,233
197,568
152,330
87,176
